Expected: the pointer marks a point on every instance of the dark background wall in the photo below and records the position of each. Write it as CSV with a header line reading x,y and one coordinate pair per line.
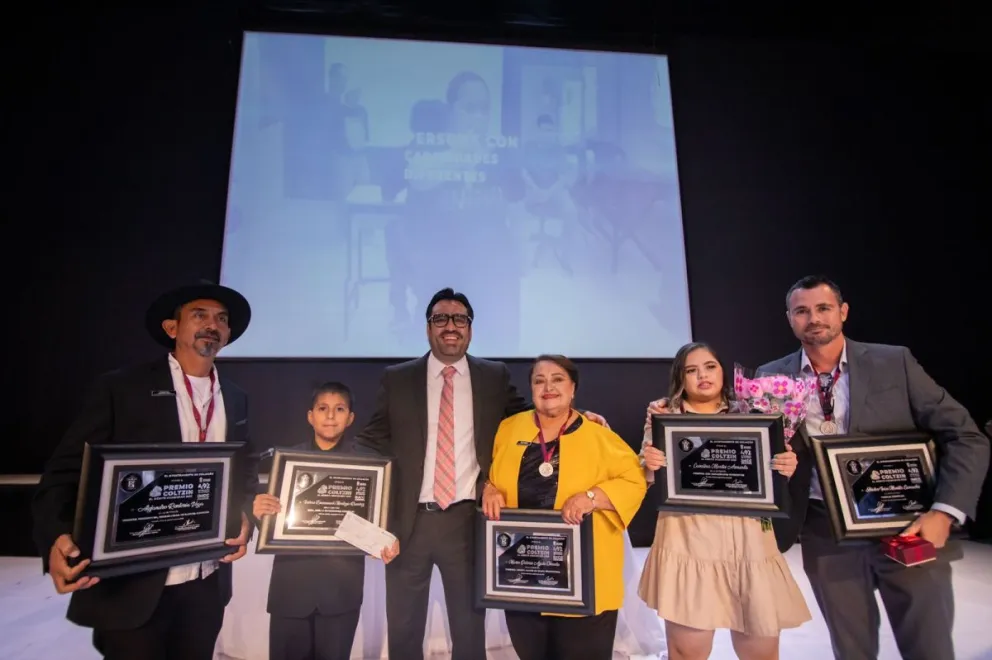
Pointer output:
x,y
796,156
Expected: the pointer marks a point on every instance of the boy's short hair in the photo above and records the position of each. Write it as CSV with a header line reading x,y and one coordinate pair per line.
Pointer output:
x,y
333,387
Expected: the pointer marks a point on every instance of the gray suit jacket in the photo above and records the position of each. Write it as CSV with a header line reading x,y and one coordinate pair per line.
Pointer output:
x,y
398,427
890,393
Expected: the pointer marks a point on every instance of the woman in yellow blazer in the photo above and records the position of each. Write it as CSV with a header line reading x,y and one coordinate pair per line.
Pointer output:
x,y
553,458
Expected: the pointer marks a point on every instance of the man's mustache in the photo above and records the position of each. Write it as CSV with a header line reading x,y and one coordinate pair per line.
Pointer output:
x,y
207,334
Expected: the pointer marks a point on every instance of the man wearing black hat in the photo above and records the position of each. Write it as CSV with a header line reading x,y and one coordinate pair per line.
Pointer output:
x,y
175,612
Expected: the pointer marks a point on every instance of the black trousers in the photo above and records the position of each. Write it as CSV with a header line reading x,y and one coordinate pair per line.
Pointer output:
x,y
537,637
444,539
919,600
316,637
184,626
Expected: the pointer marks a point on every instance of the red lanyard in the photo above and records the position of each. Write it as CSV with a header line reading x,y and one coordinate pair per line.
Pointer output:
x,y
545,452
826,393
196,412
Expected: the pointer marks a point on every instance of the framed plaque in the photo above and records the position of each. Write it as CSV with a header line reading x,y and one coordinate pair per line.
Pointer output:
x,y
142,507
720,464
531,560
875,485
316,489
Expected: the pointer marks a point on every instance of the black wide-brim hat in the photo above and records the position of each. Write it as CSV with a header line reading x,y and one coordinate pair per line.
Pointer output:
x,y
165,306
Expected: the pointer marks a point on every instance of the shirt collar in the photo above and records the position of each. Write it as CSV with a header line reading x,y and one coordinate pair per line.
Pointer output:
x,y
177,368
804,363
435,366
724,407
341,446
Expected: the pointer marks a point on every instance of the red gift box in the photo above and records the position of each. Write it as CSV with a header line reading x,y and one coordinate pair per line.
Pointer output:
x,y
909,550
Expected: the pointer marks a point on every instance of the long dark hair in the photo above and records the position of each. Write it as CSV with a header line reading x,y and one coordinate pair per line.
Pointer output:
x,y
676,385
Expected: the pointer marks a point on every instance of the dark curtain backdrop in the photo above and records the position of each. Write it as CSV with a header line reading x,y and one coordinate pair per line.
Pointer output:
x,y
794,158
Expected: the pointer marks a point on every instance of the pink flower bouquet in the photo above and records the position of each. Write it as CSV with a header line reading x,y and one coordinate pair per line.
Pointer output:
x,y
770,394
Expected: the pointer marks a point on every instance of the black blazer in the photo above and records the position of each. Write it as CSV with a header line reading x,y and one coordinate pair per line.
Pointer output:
x,y
398,427
304,584
787,529
120,409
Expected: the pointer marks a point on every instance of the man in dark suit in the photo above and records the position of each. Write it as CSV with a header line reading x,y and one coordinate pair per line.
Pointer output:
x,y
437,416
875,388
173,613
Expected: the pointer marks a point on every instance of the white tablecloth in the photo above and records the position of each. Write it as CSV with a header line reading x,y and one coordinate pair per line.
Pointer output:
x,y
245,635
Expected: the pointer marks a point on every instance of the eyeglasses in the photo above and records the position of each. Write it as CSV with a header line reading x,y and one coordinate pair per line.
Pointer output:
x,y
441,320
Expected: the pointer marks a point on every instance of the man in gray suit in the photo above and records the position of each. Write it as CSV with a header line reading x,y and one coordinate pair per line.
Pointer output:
x,y
875,388
437,416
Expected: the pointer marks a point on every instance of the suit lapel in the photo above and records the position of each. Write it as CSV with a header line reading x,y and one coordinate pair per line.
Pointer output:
x,y
478,394
419,389
232,409
795,364
166,408
859,376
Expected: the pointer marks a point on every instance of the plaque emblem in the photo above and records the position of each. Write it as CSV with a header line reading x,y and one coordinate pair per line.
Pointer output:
x,y
130,482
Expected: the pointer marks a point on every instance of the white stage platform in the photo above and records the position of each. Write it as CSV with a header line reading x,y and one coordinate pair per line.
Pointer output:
x,y
33,627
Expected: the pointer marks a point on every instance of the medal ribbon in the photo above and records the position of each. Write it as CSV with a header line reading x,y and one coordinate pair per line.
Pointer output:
x,y
196,412
824,388
545,452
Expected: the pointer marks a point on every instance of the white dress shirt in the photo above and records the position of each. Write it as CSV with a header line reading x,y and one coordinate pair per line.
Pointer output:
x,y
842,417
466,463
814,412
216,432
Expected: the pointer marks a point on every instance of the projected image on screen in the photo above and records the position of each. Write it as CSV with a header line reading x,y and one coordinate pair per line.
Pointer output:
x,y
367,174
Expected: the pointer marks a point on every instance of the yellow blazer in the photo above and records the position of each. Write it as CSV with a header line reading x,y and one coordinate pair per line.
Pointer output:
x,y
592,456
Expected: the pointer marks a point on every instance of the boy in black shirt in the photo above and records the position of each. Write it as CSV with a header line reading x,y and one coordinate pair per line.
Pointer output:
x,y
315,601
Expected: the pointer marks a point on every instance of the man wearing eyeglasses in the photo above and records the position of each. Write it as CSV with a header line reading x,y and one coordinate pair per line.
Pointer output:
x,y
437,416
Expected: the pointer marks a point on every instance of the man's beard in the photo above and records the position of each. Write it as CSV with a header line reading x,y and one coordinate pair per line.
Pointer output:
x,y
208,348
822,339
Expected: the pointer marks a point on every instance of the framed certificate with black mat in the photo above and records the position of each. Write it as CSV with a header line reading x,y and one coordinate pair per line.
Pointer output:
x,y
143,507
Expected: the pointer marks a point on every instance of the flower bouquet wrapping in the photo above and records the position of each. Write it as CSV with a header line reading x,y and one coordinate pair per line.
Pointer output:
x,y
770,394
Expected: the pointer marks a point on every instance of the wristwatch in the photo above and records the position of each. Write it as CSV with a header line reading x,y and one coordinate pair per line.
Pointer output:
x,y
592,497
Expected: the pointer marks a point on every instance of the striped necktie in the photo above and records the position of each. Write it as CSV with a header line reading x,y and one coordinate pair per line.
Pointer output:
x,y
444,463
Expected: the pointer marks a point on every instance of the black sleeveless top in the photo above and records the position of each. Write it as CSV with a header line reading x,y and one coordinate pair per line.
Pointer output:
x,y
533,490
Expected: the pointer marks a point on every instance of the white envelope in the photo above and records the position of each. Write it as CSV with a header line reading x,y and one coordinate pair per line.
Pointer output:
x,y
364,535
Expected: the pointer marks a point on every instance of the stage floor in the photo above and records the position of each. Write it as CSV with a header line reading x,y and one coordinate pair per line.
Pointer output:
x,y
33,627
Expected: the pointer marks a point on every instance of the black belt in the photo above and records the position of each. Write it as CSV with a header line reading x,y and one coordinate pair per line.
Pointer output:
x,y
434,506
